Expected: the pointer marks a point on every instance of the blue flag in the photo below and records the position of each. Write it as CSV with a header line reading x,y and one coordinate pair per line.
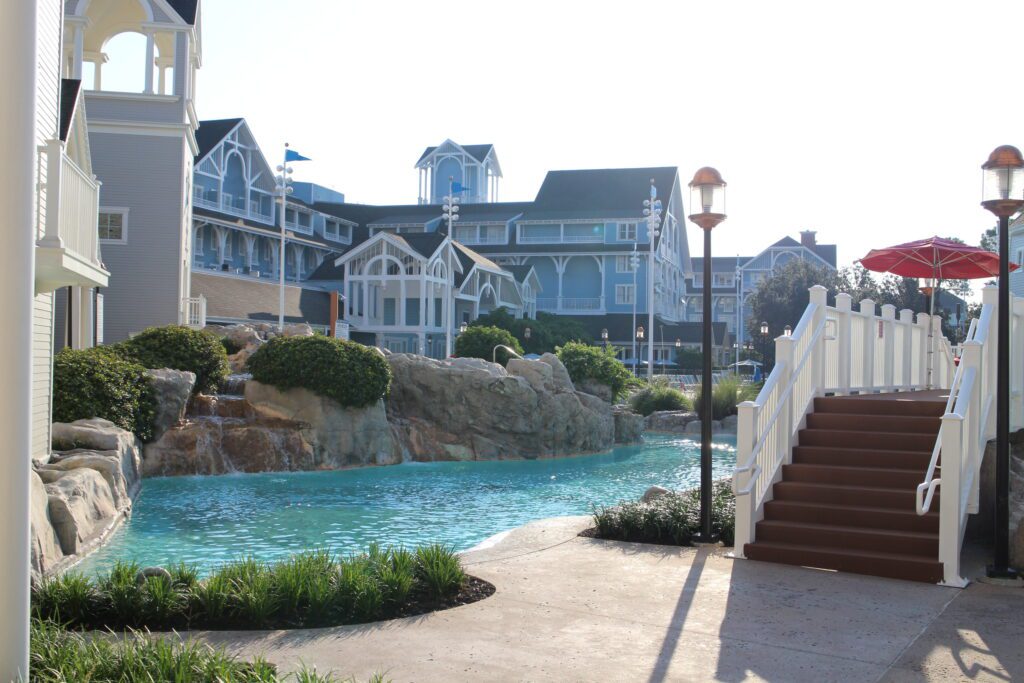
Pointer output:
x,y
292,155
459,187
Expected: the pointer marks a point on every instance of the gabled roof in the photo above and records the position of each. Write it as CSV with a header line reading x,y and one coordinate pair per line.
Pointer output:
x,y
520,273
328,271
469,258
719,264
787,242
69,89
186,9
423,243
478,152
210,133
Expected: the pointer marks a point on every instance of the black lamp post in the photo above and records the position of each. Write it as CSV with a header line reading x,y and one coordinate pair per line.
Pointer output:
x,y
764,345
604,337
707,201
640,341
1003,195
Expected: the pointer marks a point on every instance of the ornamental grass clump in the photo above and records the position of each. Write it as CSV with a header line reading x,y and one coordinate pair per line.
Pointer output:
x,y
180,348
98,382
351,374
310,589
671,518
659,396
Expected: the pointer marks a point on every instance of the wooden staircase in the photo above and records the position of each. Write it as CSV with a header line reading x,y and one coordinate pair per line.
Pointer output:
x,y
847,500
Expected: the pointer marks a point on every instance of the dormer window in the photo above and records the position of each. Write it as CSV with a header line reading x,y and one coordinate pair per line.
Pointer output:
x,y
627,232
337,232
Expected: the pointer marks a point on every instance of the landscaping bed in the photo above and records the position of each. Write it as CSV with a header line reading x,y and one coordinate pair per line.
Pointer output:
x,y
313,589
671,518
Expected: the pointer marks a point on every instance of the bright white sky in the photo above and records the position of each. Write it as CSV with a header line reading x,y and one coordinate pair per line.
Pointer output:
x,y
864,121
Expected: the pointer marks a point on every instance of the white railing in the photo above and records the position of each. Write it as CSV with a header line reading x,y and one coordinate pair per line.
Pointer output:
x,y
72,206
550,304
832,350
228,203
194,312
968,424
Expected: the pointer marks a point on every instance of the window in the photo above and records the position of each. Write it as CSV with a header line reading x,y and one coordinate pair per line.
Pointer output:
x,y
1020,257
727,305
623,294
333,230
627,232
724,280
198,246
113,225
623,264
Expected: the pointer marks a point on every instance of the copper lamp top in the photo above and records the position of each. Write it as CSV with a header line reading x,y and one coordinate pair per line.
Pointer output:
x,y
710,176
1006,156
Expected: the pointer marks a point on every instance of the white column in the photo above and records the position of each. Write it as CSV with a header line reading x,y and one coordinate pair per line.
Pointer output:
x,y
785,347
867,311
818,297
889,344
17,275
844,333
924,351
746,507
907,322
150,60
77,55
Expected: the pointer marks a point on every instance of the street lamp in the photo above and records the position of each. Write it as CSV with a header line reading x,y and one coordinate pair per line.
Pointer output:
x,y
1003,195
604,336
526,335
764,345
283,186
707,201
463,327
636,358
652,212
634,264
787,331
450,213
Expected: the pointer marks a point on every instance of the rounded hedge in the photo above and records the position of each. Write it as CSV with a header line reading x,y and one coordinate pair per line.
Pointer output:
x,y
479,342
352,374
584,361
98,382
180,348
653,398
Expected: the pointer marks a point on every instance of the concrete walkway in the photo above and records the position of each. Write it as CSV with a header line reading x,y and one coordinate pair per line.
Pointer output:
x,y
577,609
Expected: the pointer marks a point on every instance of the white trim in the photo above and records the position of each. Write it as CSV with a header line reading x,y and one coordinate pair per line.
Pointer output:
x,y
123,211
620,291
153,129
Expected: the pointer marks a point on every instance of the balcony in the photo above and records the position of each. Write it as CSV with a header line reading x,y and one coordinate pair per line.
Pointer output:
x,y
193,312
68,254
571,304
226,203
563,233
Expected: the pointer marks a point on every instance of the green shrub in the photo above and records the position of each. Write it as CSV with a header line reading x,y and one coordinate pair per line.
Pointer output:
x,y
307,590
231,347
655,397
352,374
584,361
672,518
726,395
479,341
547,331
180,348
97,382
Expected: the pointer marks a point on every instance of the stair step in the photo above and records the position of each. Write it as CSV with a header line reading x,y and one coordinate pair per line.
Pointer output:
x,y
904,424
862,457
852,515
852,538
892,565
872,440
850,405
879,477
860,496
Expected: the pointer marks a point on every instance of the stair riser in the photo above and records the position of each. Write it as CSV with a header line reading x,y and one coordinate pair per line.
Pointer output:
x,y
800,492
867,440
858,406
930,572
875,423
875,519
851,540
849,457
852,476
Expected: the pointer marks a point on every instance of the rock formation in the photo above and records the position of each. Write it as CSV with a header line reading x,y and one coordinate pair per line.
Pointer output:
x,y
83,493
173,388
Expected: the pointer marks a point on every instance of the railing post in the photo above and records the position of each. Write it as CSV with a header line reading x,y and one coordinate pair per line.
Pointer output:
x,y
949,502
971,358
54,168
907,371
1017,363
867,311
889,344
844,330
819,299
784,351
941,375
924,351
746,506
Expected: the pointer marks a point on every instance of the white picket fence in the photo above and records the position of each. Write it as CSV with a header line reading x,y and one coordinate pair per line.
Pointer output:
x,y
833,350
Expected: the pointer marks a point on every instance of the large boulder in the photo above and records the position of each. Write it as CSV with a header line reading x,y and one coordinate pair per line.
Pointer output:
x,y
595,388
172,388
338,436
242,336
46,552
102,446
81,509
629,426
297,330
671,421
470,409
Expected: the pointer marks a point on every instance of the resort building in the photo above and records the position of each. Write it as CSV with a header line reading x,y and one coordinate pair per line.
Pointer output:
x,y
142,135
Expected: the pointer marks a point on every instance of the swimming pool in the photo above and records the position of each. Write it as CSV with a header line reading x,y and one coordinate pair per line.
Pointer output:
x,y
207,520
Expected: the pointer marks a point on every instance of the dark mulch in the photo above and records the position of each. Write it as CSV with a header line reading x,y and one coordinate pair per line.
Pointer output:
x,y
474,590
592,533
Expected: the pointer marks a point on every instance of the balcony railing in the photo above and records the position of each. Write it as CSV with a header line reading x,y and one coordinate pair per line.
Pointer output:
x,y
69,249
560,239
193,311
227,203
571,304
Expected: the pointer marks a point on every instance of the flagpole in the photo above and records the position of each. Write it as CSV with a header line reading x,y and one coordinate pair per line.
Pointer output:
x,y
280,258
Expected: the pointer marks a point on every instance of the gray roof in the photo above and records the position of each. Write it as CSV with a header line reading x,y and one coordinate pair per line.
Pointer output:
x,y
236,298
210,133
612,192
520,273
478,152
186,9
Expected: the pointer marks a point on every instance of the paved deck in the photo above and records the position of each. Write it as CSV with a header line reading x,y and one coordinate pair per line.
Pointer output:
x,y
576,609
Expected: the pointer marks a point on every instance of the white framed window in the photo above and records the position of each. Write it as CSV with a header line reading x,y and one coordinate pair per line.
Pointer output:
x,y
1019,260
113,225
624,294
624,263
723,280
197,245
337,232
627,232
727,304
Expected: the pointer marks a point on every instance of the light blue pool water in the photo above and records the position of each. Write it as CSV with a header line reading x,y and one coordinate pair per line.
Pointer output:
x,y
208,520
